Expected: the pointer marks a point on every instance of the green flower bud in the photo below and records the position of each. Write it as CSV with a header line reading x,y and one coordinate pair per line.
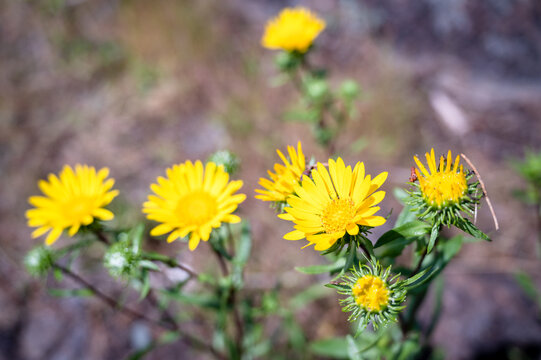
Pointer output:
x,y
349,89
120,259
317,89
287,61
226,158
38,261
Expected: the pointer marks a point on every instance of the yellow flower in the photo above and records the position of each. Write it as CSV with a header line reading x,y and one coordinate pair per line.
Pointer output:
x,y
294,29
371,293
444,186
324,208
193,200
72,199
284,178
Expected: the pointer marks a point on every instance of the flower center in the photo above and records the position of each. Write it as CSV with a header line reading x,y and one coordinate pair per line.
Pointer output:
x,y
196,208
76,209
337,214
444,188
371,293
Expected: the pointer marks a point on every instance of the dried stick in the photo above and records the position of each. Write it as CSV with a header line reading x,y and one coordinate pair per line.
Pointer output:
x,y
484,190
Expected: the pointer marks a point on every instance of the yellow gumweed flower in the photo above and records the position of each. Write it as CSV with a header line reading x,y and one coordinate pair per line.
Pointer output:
x,y
294,29
334,202
193,200
284,178
441,185
371,293
72,199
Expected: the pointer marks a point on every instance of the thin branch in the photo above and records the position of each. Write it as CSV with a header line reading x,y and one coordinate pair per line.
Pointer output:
x,y
101,237
484,190
108,299
170,325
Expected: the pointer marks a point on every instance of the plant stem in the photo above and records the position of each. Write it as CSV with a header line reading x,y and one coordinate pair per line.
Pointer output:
x,y
170,262
420,263
170,325
108,299
233,299
101,237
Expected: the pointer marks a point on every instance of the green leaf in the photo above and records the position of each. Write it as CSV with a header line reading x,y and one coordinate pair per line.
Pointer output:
x,y
438,302
145,285
467,226
206,301
146,264
411,229
433,236
70,292
320,269
451,247
353,351
401,195
527,285
336,348
420,278
295,334
308,295
336,286
136,236
245,245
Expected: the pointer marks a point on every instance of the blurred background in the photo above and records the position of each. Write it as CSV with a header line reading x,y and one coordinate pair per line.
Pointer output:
x,y
139,85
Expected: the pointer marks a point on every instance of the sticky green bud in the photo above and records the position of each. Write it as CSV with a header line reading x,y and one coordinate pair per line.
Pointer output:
x,y
349,89
317,89
120,259
38,261
287,61
227,159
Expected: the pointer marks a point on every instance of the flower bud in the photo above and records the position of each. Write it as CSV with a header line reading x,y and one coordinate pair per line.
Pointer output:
x,y
38,261
317,89
120,259
227,159
349,89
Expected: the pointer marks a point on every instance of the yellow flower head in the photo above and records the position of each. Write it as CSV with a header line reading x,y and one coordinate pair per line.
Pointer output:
x,y
284,178
72,199
193,200
441,186
294,29
325,207
371,293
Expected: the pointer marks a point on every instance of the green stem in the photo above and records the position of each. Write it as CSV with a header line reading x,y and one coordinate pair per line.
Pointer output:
x,y
113,303
169,262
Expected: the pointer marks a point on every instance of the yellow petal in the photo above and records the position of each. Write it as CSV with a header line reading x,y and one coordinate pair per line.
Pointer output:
x,y
294,235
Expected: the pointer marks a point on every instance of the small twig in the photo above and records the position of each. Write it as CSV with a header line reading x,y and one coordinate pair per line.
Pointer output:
x,y
496,225
170,325
420,263
101,237
221,261
108,299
